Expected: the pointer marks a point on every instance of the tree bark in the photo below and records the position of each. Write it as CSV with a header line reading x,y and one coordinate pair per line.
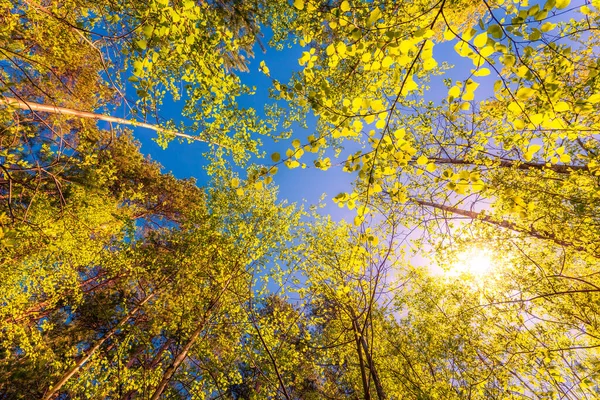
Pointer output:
x,y
27,105
378,386
561,169
363,373
501,223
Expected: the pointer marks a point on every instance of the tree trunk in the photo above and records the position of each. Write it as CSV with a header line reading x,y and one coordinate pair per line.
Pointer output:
x,y
92,350
26,105
363,372
501,223
561,169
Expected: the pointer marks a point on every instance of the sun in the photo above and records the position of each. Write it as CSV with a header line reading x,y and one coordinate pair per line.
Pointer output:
x,y
476,262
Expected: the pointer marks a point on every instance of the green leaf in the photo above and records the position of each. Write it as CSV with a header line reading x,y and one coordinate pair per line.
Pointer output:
x,y
495,31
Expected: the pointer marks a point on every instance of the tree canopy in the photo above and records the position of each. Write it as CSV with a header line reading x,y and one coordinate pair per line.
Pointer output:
x,y
470,265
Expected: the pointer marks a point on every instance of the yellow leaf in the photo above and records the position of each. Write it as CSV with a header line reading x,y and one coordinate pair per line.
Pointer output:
x,y
448,35
482,72
560,4
468,95
467,35
561,106
422,160
345,6
430,167
514,107
235,182
595,98
454,91
525,93
409,85
536,119
429,64
487,51
548,26
299,4
275,157
565,158
387,62
480,40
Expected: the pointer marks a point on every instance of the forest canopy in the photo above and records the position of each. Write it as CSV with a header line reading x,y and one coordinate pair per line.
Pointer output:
x,y
469,267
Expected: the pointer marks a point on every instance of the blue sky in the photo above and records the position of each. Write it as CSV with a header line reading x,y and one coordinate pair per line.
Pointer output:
x,y
185,160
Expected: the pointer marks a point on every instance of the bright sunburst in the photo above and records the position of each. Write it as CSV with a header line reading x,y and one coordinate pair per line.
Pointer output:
x,y
475,261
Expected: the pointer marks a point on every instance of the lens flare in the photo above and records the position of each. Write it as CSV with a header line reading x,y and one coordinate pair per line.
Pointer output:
x,y
476,262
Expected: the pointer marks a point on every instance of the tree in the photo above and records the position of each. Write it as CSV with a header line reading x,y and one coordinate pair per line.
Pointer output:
x,y
119,281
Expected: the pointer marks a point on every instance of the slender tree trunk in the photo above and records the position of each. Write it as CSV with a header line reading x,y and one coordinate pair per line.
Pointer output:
x,y
561,169
92,350
363,372
26,105
378,386
279,377
170,371
370,363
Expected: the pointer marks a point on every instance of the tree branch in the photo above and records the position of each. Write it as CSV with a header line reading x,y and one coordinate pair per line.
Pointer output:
x,y
27,105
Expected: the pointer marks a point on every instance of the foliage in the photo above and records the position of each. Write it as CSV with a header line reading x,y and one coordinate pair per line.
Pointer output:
x,y
120,281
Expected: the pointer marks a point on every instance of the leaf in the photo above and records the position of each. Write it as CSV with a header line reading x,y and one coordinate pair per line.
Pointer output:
x,y
495,31
345,6
561,106
480,40
454,91
593,99
235,182
299,4
275,157
560,4
482,72
525,93
142,44
387,62
548,26
422,160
